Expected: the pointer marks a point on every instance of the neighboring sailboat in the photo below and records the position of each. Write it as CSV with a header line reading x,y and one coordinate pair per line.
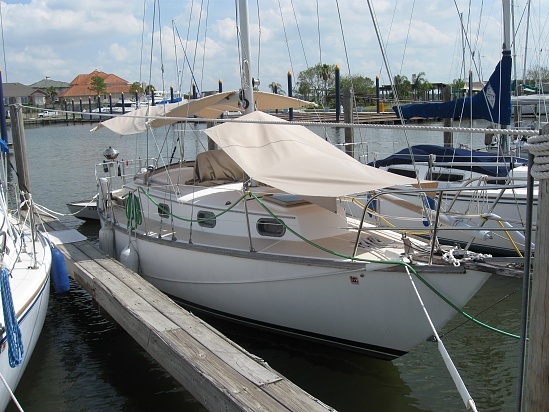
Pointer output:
x,y
492,103
84,209
253,232
494,199
26,261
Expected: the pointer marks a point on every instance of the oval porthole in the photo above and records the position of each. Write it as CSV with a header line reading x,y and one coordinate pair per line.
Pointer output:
x,y
206,219
270,227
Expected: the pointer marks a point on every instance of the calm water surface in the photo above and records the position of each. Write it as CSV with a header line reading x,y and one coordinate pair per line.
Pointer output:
x,y
85,362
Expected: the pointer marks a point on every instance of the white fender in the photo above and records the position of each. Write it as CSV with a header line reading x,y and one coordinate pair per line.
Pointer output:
x,y
130,258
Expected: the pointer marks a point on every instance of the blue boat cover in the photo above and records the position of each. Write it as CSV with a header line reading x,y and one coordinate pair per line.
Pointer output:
x,y
449,154
492,103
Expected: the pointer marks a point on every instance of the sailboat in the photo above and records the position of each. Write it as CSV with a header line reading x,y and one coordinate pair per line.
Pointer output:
x,y
490,206
26,262
251,231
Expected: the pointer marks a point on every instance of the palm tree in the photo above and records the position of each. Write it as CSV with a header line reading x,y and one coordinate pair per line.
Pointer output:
x,y
417,82
51,92
402,86
325,73
275,88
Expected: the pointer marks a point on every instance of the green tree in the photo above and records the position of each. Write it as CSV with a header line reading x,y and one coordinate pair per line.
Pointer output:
x,y
402,86
361,85
136,88
417,83
458,85
148,89
537,74
315,82
51,92
98,86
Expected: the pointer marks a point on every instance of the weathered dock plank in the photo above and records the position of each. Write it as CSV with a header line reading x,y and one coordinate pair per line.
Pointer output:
x,y
216,371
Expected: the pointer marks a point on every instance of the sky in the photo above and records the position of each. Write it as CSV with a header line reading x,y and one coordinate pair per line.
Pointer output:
x,y
177,42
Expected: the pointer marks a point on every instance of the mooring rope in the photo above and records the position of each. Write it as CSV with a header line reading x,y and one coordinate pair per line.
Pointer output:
x,y
133,211
16,350
539,147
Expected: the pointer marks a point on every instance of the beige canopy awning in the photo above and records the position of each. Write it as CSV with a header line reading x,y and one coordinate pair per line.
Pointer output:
x,y
209,107
135,121
212,107
296,160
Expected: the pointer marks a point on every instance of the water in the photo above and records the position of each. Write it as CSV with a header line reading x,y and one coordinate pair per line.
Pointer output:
x,y
84,361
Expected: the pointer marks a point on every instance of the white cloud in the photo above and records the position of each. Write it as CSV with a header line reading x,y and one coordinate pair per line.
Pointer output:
x,y
62,38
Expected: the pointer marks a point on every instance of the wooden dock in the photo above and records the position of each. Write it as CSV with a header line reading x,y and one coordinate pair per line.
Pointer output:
x,y
314,116
217,372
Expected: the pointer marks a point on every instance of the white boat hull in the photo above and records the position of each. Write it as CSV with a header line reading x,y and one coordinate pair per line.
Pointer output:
x,y
30,288
84,209
374,311
30,323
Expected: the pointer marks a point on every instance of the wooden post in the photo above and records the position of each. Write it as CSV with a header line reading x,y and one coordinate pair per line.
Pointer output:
x,y
20,151
348,116
448,136
536,389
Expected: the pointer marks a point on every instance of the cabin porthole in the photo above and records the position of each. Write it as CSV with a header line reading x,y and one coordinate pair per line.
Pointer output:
x,y
206,219
270,227
163,210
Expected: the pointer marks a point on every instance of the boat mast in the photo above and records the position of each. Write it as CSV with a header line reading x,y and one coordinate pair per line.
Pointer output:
x,y
504,141
247,96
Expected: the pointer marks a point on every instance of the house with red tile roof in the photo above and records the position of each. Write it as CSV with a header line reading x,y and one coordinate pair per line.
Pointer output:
x,y
80,88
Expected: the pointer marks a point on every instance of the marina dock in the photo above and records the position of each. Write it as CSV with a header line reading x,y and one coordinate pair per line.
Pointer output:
x,y
217,372
314,116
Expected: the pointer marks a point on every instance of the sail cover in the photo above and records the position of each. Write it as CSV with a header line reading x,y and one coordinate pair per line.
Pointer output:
x,y
296,160
492,103
490,164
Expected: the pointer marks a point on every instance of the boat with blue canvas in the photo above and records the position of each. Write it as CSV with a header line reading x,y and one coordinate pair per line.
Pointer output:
x,y
486,195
